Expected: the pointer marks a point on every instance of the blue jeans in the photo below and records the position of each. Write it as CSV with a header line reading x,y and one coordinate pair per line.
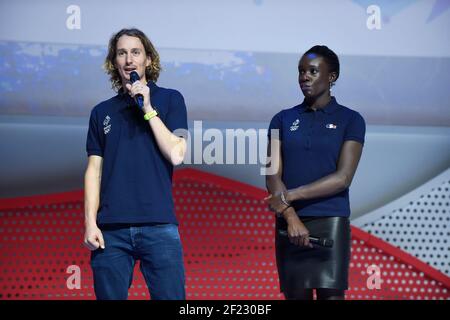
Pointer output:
x,y
158,247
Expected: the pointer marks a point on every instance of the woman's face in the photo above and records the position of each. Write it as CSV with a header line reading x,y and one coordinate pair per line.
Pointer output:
x,y
314,77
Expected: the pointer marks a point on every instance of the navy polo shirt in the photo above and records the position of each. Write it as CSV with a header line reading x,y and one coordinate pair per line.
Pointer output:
x,y
310,145
136,183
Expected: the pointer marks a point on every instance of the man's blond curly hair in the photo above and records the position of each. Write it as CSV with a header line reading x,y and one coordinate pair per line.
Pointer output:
x,y
151,72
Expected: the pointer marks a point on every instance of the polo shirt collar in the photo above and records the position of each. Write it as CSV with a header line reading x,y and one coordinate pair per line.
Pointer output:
x,y
331,107
153,87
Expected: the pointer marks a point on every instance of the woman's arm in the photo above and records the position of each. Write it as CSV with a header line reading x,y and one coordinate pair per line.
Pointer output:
x,y
297,232
334,183
274,184
331,184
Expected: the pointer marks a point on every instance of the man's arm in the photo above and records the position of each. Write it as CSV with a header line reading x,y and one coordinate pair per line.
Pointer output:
x,y
172,147
93,237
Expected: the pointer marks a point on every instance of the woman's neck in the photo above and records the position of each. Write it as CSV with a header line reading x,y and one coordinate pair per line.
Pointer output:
x,y
319,102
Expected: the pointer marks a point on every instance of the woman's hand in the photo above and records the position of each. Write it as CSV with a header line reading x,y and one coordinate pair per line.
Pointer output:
x,y
276,203
297,232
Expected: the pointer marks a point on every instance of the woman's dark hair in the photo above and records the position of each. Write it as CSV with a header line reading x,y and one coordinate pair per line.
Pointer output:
x,y
151,72
330,57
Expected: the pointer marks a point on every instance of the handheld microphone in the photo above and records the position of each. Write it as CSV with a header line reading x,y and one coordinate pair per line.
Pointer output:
x,y
138,98
323,242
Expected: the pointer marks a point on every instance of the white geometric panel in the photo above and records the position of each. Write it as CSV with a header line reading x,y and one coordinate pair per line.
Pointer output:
x,y
418,223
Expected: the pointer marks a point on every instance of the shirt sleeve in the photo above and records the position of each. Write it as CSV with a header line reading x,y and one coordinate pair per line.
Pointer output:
x,y
276,124
177,116
356,129
93,144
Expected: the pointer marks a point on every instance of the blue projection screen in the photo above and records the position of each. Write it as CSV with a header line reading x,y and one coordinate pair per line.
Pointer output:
x,y
243,54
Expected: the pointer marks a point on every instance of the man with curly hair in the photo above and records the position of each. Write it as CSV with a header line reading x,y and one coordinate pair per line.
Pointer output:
x,y
132,149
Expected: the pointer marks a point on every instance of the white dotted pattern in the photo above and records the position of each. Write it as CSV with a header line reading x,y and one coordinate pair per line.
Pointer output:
x,y
420,228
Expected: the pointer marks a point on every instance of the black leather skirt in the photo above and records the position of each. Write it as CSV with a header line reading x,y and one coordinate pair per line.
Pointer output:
x,y
319,267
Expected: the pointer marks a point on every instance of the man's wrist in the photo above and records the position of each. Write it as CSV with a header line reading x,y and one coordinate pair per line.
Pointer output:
x,y
90,222
150,115
148,109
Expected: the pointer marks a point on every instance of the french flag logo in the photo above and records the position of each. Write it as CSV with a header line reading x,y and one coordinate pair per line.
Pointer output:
x,y
331,126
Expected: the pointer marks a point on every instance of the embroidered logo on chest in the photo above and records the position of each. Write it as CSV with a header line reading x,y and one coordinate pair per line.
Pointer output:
x,y
294,125
106,124
331,126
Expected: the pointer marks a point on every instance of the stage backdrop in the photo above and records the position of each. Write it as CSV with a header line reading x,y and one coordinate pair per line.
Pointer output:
x,y
232,60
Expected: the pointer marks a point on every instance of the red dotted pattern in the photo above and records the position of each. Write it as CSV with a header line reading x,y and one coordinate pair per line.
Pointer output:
x,y
228,239
398,280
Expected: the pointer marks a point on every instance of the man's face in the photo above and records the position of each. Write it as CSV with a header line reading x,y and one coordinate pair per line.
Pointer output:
x,y
130,56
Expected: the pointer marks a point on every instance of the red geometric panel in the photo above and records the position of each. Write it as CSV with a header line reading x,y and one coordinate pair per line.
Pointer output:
x,y
228,236
403,276
228,240
38,243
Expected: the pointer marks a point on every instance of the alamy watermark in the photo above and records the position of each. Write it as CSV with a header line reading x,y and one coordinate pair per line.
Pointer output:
x,y
74,280
229,146
373,22
374,279
73,21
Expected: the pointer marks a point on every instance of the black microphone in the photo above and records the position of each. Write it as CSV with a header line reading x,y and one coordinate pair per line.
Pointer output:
x,y
138,98
323,242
